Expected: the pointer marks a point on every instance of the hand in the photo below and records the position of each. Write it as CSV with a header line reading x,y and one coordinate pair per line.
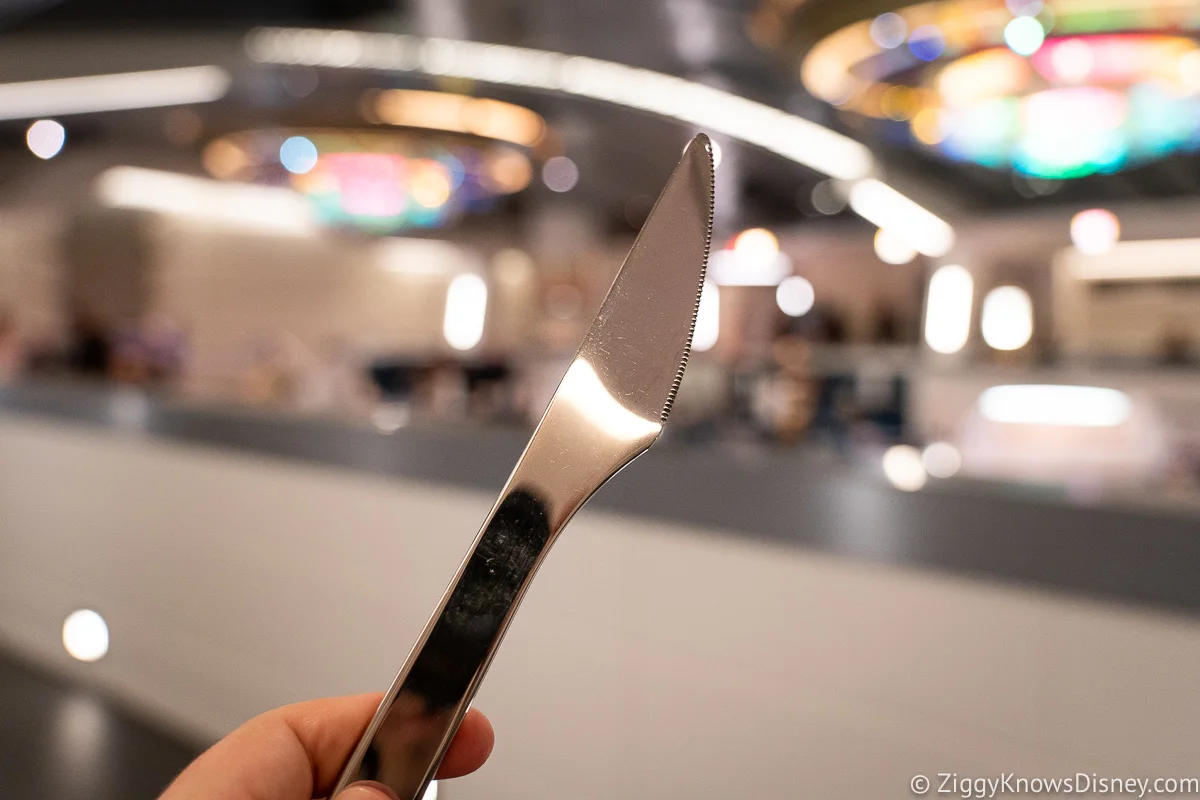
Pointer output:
x,y
295,752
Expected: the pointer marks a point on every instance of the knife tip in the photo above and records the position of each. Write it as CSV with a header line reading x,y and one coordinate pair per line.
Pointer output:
x,y
701,146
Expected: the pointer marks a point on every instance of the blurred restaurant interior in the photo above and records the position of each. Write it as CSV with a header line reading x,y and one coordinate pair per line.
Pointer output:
x,y
286,284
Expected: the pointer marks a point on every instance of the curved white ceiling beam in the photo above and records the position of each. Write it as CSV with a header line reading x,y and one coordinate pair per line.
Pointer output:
x,y
787,135
790,136
90,94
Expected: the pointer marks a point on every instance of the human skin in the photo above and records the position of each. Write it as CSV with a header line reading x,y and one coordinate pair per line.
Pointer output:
x,y
295,753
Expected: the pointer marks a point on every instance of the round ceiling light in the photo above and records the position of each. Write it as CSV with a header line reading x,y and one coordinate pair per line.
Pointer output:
x,y
1095,231
893,249
1051,90
795,296
381,182
46,138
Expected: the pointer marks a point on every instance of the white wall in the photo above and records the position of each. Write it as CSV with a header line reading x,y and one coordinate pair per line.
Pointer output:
x,y
650,660
31,272
846,274
233,290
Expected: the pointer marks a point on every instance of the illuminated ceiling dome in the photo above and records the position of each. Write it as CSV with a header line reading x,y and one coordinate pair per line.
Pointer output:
x,y
1056,89
453,155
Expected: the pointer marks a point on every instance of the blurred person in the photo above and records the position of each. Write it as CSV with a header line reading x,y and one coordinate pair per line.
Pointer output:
x,y
337,380
295,752
834,410
704,399
445,391
791,397
830,326
128,364
489,389
267,380
90,348
152,352
165,349
880,396
825,324
1175,347
886,327
12,348
44,351
394,380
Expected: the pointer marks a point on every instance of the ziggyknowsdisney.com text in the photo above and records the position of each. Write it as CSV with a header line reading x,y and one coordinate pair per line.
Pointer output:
x,y
979,788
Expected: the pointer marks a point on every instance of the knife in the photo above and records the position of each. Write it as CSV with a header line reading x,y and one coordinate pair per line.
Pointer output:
x,y
609,408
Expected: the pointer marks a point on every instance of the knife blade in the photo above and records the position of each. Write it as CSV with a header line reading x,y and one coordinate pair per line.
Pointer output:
x,y
609,408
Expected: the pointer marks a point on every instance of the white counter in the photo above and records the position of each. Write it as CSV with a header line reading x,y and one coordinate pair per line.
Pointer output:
x,y
650,660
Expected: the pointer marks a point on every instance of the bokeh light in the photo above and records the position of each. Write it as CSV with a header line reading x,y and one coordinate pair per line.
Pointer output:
x,y
893,249
1007,321
466,311
827,199
46,138
390,417
298,155
560,174
447,111
1112,90
889,30
1096,231
903,468
1056,406
900,103
927,127
223,159
378,181
876,201
1189,72
756,245
513,267
708,318
1072,60
508,171
85,635
927,43
941,460
1025,8
1024,35
795,296
430,185
948,309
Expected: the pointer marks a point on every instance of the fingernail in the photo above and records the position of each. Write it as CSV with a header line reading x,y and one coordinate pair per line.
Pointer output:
x,y
361,792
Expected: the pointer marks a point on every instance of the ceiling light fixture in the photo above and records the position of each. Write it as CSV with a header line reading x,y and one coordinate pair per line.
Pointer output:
x,y
259,208
792,137
902,217
116,92
705,107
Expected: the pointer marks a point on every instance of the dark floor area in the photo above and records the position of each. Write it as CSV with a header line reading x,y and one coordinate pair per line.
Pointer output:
x,y
61,741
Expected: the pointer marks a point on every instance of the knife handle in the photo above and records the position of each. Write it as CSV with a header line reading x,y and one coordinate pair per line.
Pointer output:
x,y
585,437
405,742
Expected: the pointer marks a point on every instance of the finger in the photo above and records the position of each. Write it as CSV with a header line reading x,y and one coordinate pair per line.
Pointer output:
x,y
295,752
471,746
